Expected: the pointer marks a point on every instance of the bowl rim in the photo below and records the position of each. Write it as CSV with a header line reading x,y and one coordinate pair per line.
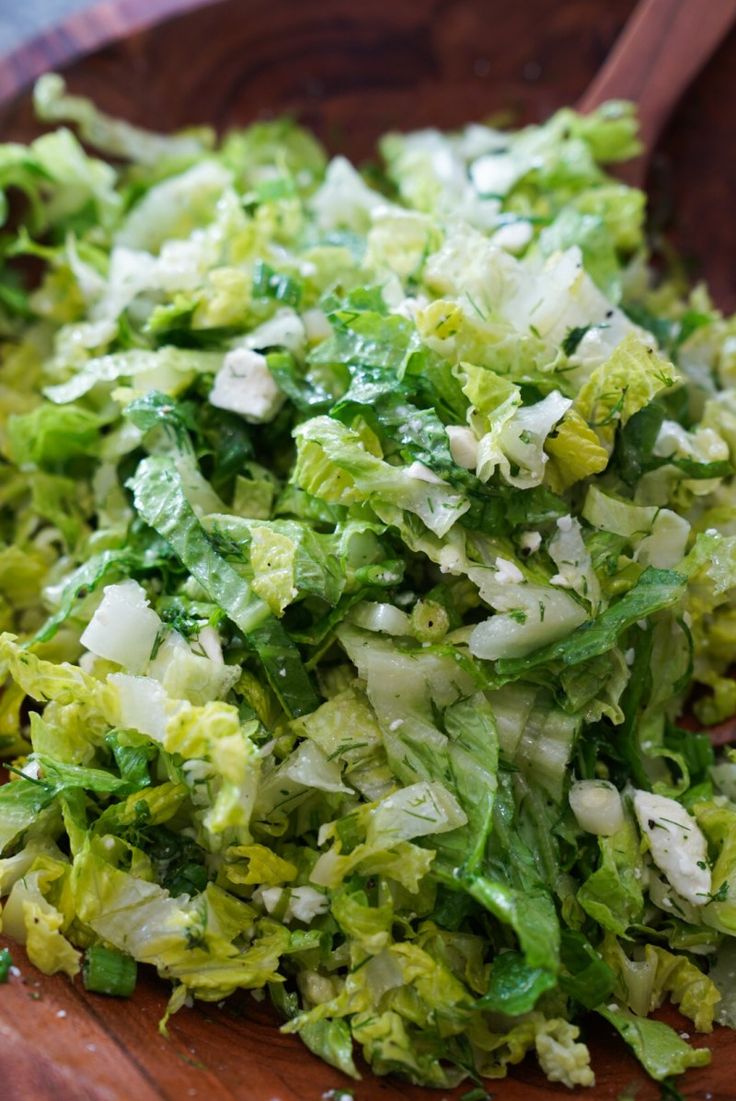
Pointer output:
x,y
83,33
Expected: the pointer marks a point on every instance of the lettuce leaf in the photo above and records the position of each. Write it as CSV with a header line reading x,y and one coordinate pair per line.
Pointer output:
x,y
654,591
657,1046
160,500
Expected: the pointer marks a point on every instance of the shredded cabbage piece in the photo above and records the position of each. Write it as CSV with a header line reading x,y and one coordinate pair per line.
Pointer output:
x,y
363,539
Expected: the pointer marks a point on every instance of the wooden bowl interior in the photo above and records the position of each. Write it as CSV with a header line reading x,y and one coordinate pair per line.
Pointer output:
x,y
351,71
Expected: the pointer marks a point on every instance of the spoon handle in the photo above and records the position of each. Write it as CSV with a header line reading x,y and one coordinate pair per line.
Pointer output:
x,y
662,48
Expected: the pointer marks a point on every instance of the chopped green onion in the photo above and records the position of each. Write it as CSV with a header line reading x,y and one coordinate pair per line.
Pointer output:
x,y
106,971
6,961
268,283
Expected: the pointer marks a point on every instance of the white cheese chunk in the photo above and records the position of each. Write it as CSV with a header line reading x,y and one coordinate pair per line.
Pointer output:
x,y
677,845
530,541
306,903
245,385
507,573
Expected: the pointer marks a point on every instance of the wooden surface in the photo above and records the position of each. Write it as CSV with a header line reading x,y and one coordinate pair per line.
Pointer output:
x,y
664,46
105,1049
350,71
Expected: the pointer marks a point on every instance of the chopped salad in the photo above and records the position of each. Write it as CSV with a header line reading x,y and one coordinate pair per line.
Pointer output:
x,y
365,537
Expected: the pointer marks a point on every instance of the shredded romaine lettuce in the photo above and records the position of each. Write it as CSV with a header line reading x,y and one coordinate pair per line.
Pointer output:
x,y
363,541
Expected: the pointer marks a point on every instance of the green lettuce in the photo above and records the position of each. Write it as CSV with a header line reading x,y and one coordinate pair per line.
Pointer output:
x,y
318,703
657,1046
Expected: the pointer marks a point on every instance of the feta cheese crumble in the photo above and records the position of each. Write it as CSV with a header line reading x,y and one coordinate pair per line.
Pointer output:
x,y
507,573
245,385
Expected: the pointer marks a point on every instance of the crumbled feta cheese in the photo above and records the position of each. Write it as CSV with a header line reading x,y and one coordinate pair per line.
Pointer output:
x,y
463,445
630,656
305,903
507,573
424,474
677,844
245,385
530,541
344,200
704,443
61,1014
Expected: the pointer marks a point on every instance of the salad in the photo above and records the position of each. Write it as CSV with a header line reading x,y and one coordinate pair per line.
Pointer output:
x,y
364,539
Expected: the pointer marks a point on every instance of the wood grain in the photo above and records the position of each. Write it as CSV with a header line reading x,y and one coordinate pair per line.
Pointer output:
x,y
350,71
663,47
57,1041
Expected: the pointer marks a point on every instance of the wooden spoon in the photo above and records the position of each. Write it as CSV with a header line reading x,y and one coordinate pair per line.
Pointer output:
x,y
660,51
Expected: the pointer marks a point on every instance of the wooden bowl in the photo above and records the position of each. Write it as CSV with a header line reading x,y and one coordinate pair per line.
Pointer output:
x,y
350,71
